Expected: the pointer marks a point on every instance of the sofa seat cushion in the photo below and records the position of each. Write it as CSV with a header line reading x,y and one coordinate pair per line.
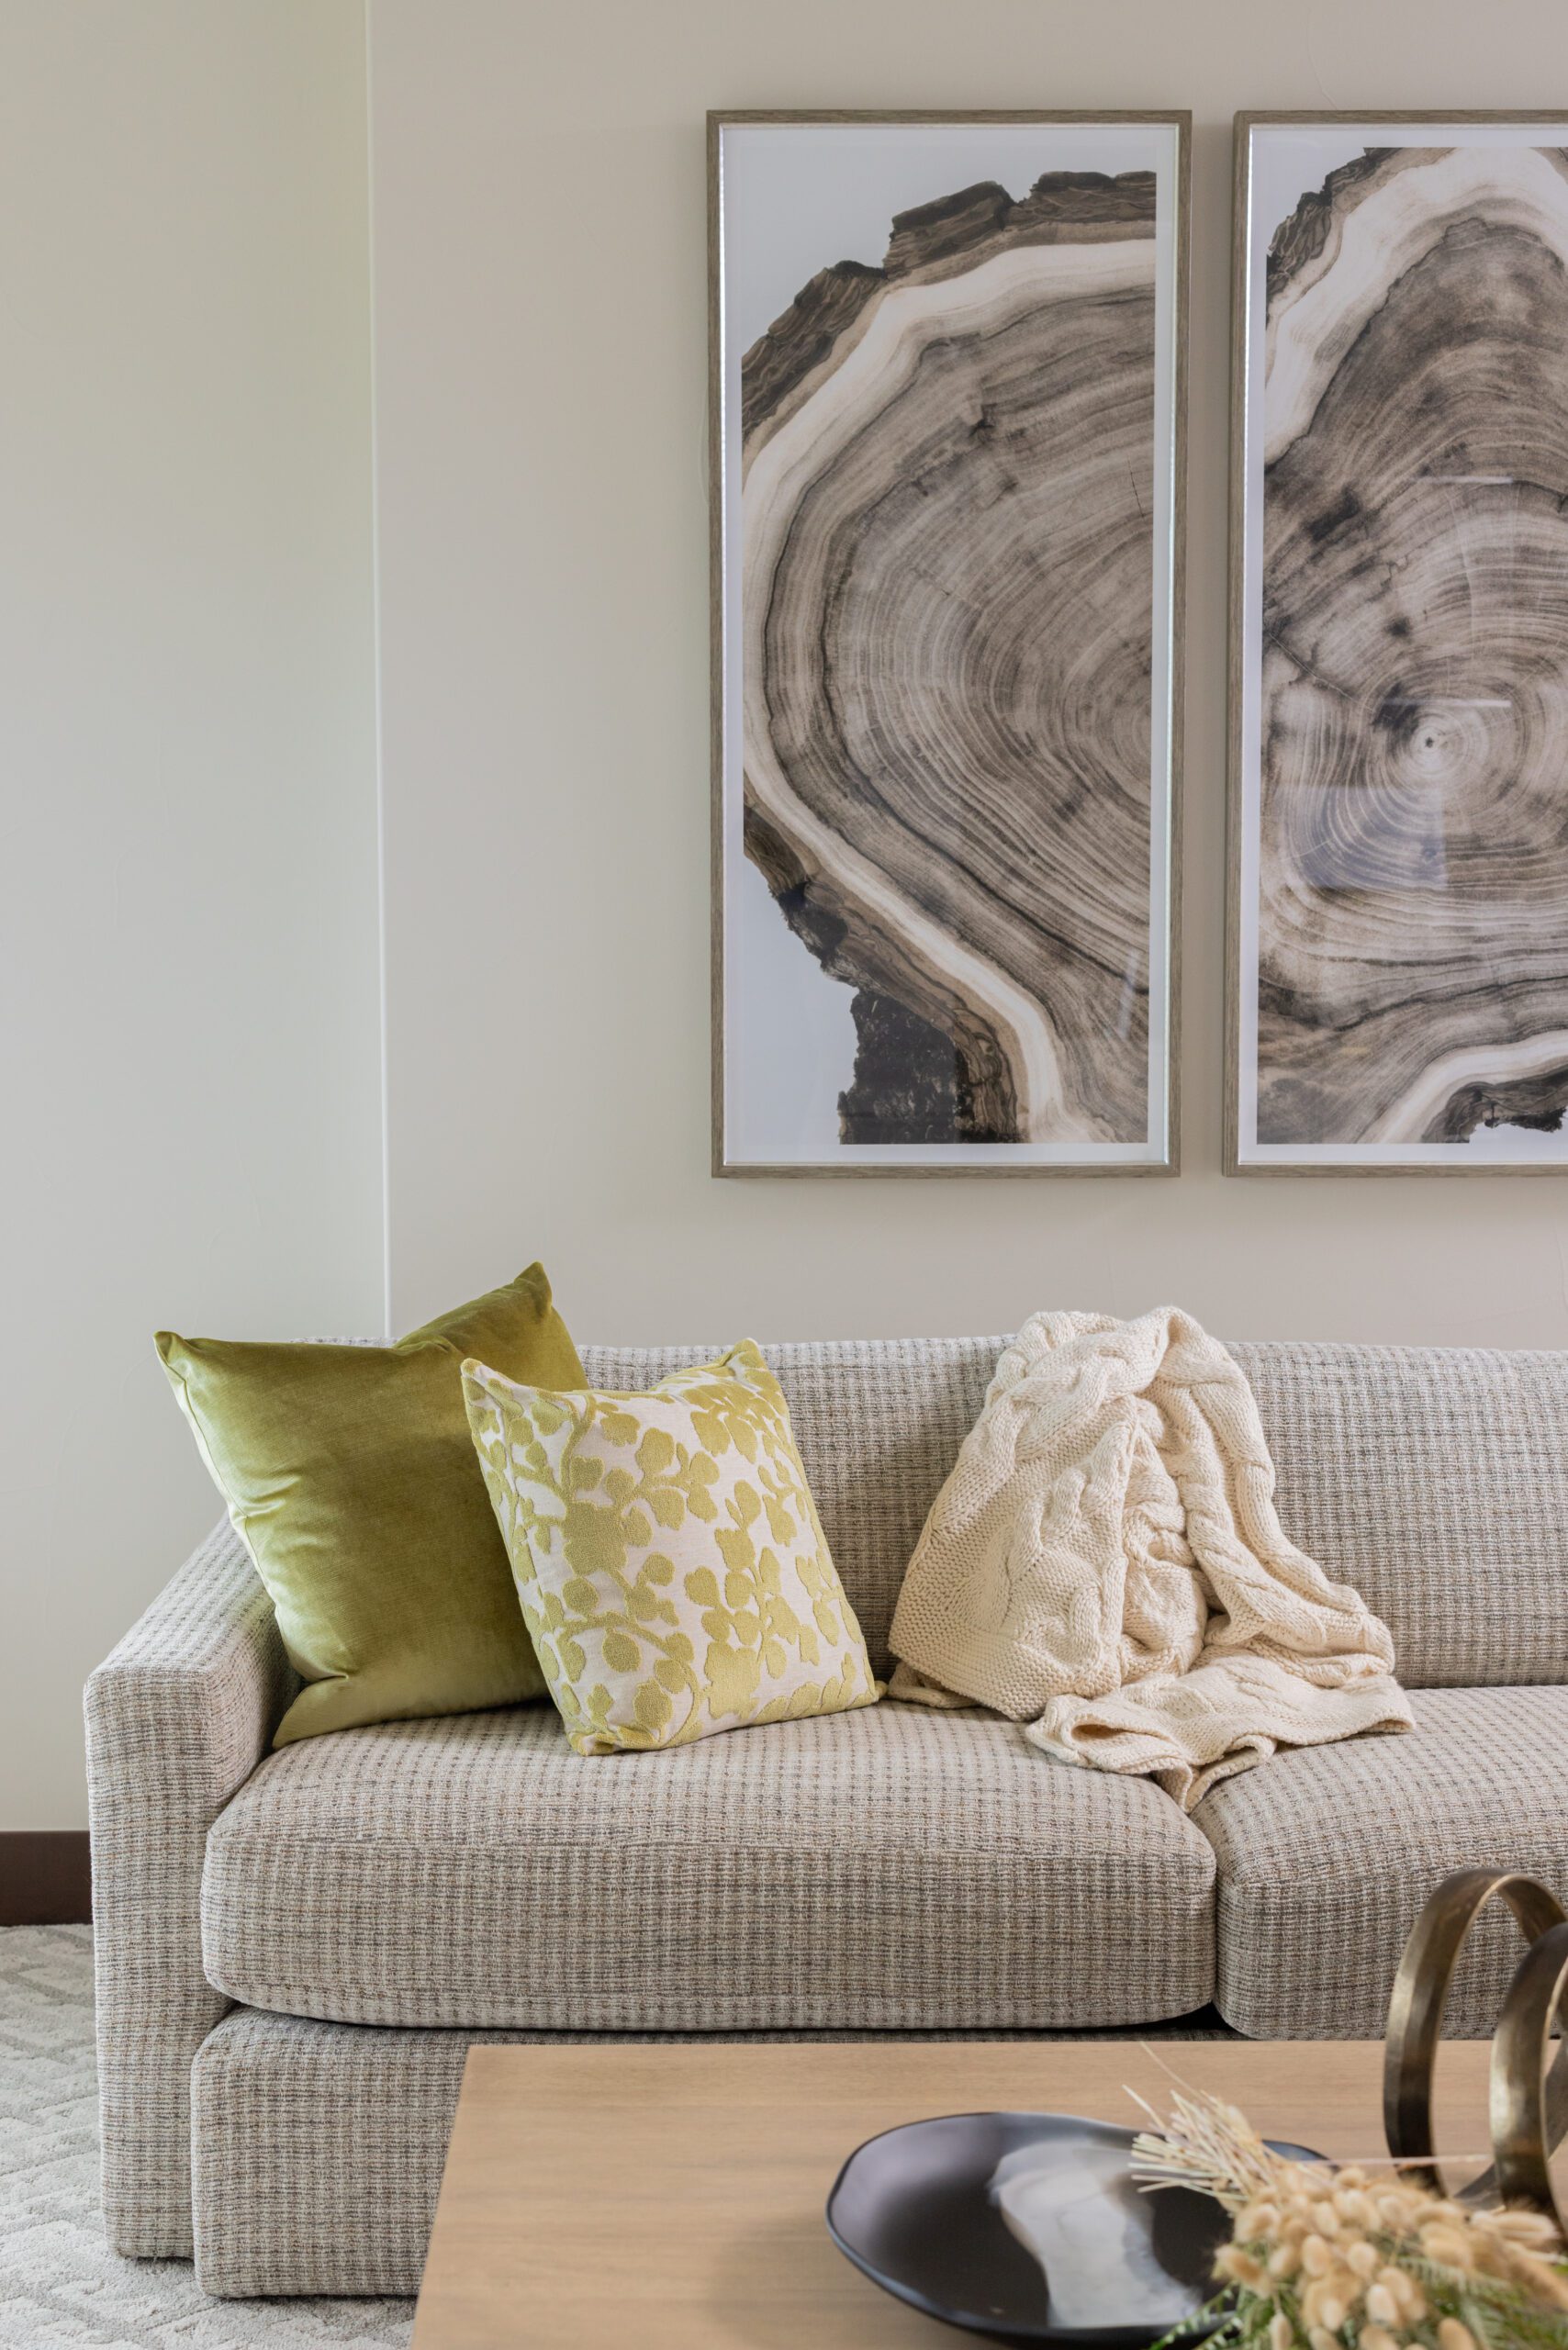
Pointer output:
x,y
1325,1855
892,1868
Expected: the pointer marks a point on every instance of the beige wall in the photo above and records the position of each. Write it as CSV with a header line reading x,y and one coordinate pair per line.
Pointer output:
x,y
191,1049
190,1075
538,183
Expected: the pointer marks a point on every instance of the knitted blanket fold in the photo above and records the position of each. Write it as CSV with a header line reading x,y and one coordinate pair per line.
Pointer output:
x,y
1105,1565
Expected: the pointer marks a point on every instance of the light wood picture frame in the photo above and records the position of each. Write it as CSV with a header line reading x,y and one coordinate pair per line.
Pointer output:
x,y
1397,957
947,384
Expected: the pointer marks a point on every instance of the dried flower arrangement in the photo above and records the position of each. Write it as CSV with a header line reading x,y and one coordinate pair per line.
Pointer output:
x,y
1323,2258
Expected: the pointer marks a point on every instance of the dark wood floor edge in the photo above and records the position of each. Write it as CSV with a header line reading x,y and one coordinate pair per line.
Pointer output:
x,y
46,1876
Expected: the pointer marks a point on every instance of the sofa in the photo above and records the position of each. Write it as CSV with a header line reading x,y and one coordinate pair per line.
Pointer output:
x,y
295,1949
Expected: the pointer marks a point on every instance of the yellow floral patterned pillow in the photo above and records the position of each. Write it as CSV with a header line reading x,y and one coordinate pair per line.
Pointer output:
x,y
668,1553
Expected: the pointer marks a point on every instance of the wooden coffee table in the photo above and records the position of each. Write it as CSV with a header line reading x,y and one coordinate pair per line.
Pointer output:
x,y
673,2195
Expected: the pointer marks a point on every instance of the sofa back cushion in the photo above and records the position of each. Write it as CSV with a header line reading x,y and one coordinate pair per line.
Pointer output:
x,y
1433,1479
879,1422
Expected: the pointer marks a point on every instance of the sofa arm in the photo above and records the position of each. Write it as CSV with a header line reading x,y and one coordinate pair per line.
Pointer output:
x,y
178,1717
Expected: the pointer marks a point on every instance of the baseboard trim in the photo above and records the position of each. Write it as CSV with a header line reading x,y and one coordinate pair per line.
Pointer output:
x,y
46,1876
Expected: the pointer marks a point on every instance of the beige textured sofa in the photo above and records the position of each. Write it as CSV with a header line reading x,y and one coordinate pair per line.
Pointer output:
x,y
295,1949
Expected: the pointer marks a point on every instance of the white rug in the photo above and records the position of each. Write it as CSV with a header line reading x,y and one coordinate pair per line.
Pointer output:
x,y
59,2281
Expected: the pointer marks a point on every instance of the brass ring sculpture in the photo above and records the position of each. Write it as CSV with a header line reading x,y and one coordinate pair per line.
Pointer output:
x,y
1528,2113
1525,2102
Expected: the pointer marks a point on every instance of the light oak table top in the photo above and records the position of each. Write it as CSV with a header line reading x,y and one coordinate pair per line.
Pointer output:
x,y
674,2195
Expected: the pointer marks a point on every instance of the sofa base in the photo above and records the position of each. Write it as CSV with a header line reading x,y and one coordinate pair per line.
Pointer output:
x,y
317,2148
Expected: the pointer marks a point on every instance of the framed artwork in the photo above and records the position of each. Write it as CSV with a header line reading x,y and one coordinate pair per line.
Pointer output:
x,y
1398,981
947,390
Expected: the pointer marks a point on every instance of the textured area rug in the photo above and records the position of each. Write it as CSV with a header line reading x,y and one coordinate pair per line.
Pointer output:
x,y
59,2281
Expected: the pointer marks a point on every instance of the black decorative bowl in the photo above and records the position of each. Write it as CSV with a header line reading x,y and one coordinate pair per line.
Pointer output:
x,y
1029,2227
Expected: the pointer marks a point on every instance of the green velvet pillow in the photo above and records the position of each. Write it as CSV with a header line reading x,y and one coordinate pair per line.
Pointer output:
x,y
350,1477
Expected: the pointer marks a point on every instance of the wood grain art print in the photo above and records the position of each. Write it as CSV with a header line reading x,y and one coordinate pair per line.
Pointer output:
x,y
946,392
1400,645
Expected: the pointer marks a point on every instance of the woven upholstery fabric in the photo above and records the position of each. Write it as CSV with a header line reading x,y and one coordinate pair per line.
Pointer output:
x,y
319,2147
1436,1481
1326,1854
177,1719
879,1422
880,1869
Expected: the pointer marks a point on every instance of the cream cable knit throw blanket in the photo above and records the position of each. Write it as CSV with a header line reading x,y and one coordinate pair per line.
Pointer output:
x,y
1105,1565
